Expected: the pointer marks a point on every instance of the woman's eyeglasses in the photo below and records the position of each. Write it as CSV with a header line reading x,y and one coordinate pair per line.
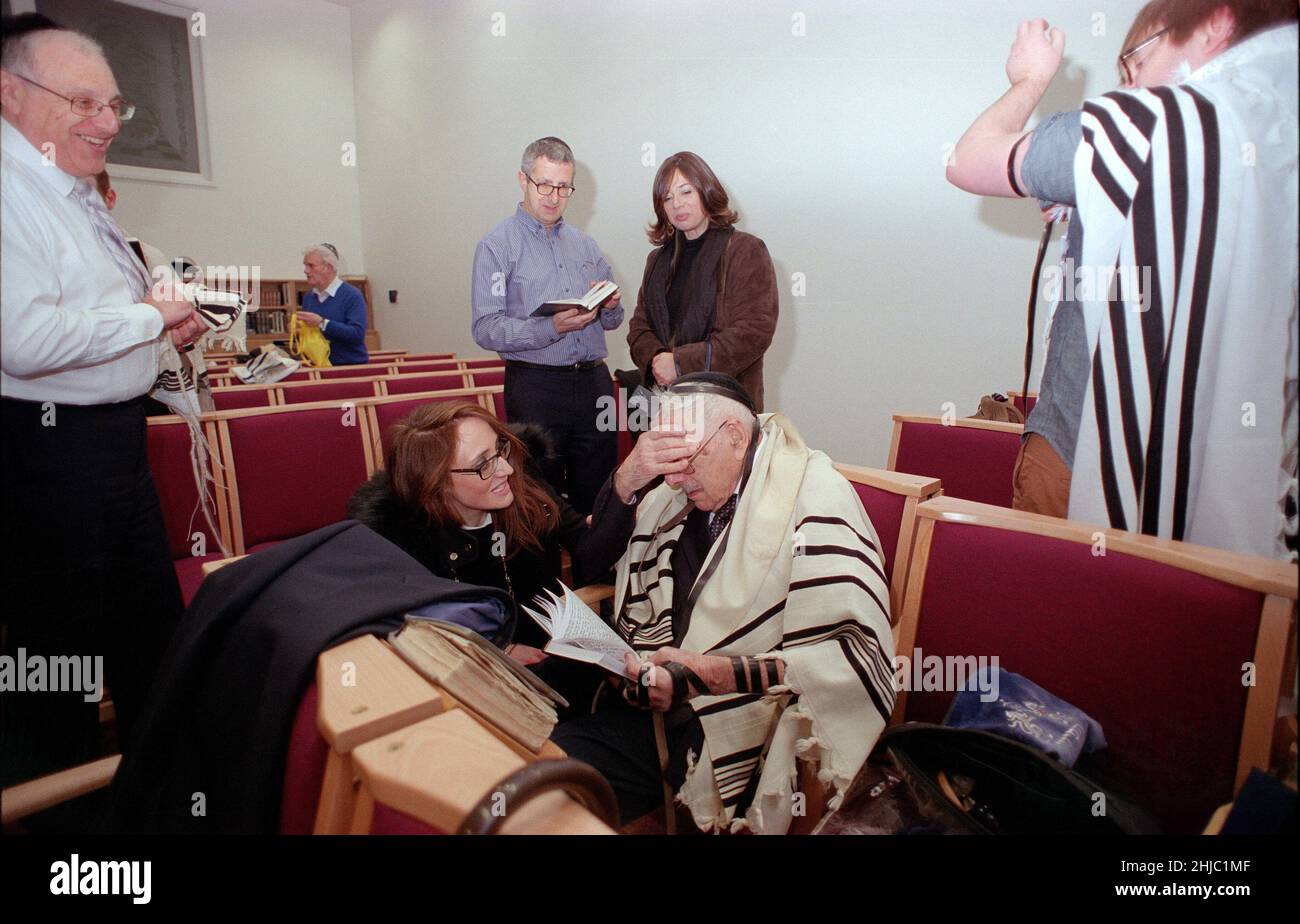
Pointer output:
x,y
488,467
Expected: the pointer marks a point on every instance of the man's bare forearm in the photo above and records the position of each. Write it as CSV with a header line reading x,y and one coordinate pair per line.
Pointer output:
x,y
979,162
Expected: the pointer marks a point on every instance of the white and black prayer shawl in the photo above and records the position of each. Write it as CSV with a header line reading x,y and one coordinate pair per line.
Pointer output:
x,y
796,573
182,385
1189,424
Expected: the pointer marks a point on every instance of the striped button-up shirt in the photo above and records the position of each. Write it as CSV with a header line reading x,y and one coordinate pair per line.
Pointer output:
x,y
520,265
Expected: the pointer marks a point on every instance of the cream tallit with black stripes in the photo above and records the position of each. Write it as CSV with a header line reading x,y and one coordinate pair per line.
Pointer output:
x,y
1189,192
798,574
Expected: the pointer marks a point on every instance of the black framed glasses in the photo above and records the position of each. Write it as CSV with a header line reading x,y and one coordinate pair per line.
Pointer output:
x,y
690,463
545,189
87,107
1125,56
488,467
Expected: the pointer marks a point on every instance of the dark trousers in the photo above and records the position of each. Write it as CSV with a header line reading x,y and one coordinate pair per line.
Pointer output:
x,y
619,741
88,572
565,401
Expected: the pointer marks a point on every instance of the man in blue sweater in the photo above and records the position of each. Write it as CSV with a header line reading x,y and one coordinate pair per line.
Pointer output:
x,y
338,309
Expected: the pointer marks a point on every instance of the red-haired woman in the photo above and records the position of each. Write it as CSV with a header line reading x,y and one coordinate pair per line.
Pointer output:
x,y
459,494
708,299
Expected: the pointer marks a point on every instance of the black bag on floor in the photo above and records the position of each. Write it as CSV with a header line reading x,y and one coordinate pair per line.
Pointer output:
x,y
966,781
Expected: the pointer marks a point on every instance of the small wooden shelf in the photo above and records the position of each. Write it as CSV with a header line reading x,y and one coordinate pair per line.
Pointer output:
x,y
280,297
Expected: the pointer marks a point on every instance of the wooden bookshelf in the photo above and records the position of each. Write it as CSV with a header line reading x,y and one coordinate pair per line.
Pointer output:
x,y
279,297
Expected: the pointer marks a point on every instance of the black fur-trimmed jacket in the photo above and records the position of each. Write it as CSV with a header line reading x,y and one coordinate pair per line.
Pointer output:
x,y
465,555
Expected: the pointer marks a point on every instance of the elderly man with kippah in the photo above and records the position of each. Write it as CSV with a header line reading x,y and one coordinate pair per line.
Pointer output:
x,y
753,589
336,307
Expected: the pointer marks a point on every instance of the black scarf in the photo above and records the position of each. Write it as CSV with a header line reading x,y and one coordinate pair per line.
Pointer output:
x,y
699,300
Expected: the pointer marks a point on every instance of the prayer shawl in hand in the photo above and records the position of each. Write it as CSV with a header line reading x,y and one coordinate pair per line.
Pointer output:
x,y
1189,194
182,385
797,574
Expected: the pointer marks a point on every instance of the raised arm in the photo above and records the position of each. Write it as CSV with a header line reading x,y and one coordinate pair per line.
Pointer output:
x,y
979,162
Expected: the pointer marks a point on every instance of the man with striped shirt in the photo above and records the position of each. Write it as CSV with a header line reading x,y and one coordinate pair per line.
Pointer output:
x,y
555,366
1168,402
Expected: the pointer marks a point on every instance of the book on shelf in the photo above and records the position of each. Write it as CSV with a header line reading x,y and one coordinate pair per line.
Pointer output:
x,y
481,678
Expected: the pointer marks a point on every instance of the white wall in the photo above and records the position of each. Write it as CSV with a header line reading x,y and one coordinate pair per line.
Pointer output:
x,y
280,105
830,143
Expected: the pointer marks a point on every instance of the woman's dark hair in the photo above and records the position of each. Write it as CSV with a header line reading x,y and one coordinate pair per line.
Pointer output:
x,y
712,194
420,453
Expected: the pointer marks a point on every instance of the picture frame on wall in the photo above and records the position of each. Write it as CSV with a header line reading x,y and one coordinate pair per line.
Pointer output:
x,y
155,50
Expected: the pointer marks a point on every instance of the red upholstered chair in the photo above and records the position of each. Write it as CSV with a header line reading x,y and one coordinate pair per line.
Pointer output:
x,y
424,357
385,412
302,375
489,377
354,372
417,368
973,458
289,470
498,398
890,499
408,384
1151,639
233,397
337,390
483,362
173,476
1024,402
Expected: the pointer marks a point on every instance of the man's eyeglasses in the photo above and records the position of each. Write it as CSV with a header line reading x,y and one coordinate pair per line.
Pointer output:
x,y
87,107
690,463
545,189
1125,56
488,467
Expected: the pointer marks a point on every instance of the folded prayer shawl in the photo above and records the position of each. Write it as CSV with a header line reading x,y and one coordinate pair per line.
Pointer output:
x,y
797,574
1189,193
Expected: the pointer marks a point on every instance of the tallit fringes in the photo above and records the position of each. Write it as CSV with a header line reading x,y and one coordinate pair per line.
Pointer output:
x,y
199,463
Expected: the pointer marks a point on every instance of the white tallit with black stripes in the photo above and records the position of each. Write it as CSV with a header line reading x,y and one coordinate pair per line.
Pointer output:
x,y
1189,423
797,573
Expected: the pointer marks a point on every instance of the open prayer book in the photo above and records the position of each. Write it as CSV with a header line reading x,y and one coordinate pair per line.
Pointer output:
x,y
578,633
597,296
481,678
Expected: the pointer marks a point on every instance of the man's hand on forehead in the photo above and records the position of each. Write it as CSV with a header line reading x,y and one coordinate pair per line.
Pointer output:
x,y
657,453
684,418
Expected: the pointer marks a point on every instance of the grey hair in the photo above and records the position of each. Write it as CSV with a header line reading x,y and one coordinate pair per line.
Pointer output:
x,y
549,147
701,415
18,53
329,256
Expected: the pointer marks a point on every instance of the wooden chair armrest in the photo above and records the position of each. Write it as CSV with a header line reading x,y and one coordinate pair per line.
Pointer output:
x,y
593,594
43,792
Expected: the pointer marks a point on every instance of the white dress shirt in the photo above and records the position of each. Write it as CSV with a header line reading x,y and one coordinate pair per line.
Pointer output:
x,y
329,290
327,293
70,330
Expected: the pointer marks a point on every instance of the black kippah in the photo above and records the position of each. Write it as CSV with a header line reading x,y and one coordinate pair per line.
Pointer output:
x,y
14,26
712,383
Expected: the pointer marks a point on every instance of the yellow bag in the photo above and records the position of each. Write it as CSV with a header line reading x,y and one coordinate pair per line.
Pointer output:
x,y
308,343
